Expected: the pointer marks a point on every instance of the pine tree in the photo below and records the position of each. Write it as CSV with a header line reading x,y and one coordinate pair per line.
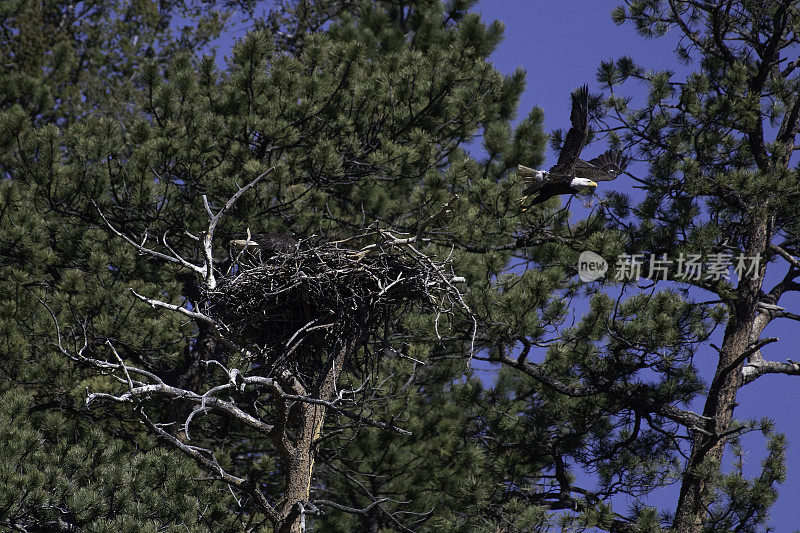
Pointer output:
x,y
338,130
720,183
65,468
351,128
609,400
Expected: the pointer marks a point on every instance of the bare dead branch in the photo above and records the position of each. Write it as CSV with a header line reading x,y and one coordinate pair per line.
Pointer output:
x,y
350,510
175,258
200,317
144,391
757,367
786,255
122,364
210,280
206,459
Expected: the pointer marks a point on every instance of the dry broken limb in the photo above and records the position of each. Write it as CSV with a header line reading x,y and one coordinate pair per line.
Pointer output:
x,y
767,311
287,324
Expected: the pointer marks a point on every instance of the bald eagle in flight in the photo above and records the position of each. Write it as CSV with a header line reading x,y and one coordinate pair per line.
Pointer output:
x,y
571,175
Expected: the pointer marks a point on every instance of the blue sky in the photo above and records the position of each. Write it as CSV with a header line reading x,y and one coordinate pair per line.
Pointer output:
x,y
560,44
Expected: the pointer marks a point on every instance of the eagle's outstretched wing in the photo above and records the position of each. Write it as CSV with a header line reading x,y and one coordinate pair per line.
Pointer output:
x,y
577,134
604,167
545,193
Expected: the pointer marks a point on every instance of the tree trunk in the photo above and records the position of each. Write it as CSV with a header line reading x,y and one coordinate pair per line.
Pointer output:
x,y
706,454
300,457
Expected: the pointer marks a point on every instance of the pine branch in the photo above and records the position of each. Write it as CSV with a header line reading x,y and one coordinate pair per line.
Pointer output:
x,y
175,258
205,458
786,255
146,391
757,366
688,419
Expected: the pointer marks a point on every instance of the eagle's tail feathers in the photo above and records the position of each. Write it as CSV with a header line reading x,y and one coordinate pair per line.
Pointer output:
x,y
525,172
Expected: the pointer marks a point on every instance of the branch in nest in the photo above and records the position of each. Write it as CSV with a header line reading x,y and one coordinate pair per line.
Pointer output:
x,y
206,270
284,303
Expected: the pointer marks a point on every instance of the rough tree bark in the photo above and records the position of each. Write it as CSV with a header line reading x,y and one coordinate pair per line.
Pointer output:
x,y
300,456
695,493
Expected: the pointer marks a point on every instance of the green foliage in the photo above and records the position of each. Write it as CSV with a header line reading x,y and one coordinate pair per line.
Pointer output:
x,y
364,110
64,62
717,144
58,470
68,87
357,133
742,503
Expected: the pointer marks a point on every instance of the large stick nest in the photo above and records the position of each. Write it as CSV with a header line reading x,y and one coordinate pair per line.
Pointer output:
x,y
295,307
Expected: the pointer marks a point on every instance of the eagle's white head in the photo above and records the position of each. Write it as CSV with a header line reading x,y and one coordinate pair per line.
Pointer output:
x,y
583,185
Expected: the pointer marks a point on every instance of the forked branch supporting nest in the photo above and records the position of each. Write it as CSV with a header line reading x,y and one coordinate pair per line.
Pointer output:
x,y
288,322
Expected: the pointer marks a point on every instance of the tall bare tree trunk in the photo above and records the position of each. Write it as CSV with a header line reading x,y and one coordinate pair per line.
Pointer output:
x,y
706,454
299,458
